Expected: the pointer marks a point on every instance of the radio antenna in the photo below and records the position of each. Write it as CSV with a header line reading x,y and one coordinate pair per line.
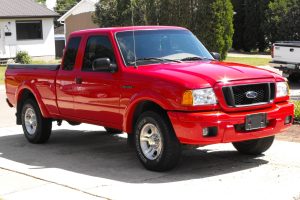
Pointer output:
x,y
133,33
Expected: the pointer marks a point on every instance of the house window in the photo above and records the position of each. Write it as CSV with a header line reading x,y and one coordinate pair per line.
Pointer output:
x,y
29,30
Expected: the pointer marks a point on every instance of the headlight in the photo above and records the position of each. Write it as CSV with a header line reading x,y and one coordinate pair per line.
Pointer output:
x,y
282,89
199,97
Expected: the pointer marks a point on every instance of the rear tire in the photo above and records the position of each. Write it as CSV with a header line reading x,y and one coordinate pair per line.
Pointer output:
x,y
254,147
294,78
37,129
156,144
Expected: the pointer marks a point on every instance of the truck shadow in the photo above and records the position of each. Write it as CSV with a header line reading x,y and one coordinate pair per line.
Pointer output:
x,y
97,154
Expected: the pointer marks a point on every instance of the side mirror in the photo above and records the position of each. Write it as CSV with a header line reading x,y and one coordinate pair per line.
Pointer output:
x,y
215,55
104,65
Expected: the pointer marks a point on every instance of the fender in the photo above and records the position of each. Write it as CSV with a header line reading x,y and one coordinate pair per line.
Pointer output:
x,y
138,98
31,87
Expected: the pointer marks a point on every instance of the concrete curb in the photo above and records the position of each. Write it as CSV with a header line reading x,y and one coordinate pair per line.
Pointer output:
x,y
242,55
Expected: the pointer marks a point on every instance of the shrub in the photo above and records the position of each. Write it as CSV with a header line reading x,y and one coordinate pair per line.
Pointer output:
x,y
297,110
23,57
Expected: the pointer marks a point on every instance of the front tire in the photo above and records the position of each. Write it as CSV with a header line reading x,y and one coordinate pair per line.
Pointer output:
x,y
37,129
156,144
254,147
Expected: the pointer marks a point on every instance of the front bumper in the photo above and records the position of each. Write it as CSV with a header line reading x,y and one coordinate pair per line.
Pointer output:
x,y
189,126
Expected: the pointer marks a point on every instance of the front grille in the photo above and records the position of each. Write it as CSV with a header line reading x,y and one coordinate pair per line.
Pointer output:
x,y
247,95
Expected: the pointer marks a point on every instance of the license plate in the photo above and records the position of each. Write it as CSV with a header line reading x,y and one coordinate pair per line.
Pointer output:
x,y
256,121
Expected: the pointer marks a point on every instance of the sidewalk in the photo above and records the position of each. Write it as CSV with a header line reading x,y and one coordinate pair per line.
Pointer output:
x,y
14,185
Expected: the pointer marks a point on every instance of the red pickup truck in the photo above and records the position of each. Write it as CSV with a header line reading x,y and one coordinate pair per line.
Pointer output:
x,y
158,84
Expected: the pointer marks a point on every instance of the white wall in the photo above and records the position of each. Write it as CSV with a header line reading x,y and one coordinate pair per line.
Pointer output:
x,y
36,48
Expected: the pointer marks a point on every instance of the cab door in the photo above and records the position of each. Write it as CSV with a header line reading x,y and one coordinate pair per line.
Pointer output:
x,y
97,93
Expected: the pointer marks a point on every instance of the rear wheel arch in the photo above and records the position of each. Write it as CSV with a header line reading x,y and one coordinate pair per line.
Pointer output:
x,y
24,94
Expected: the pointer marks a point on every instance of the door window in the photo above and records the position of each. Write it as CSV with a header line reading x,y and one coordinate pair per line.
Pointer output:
x,y
97,47
71,53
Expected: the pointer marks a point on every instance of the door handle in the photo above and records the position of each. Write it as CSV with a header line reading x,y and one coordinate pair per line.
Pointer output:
x,y
78,80
291,50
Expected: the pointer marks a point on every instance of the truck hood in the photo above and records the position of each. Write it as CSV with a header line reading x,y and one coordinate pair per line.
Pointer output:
x,y
208,72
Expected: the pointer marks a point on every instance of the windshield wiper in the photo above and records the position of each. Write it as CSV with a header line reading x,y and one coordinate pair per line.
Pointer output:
x,y
154,59
194,58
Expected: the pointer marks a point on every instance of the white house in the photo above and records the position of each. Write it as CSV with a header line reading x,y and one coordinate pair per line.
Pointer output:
x,y
26,26
79,17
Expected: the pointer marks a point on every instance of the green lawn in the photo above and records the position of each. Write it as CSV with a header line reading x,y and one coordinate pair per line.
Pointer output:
x,y
2,72
249,61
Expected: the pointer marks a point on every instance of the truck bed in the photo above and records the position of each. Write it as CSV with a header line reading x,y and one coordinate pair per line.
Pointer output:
x,y
40,78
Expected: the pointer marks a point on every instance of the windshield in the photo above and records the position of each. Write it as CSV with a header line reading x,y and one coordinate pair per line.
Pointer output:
x,y
160,46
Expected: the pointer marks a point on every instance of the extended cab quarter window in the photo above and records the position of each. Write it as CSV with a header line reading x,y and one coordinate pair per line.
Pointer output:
x,y
29,30
97,47
71,53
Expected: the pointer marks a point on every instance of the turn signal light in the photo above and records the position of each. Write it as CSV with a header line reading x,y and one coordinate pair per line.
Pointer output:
x,y
187,98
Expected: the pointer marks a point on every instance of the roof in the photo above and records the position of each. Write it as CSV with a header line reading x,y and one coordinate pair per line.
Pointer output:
x,y
24,9
82,5
126,28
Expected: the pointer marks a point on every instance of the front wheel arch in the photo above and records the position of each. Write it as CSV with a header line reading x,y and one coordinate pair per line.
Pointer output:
x,y
141,107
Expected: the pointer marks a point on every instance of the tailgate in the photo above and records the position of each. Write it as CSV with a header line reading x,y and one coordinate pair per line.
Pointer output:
x,y
286,52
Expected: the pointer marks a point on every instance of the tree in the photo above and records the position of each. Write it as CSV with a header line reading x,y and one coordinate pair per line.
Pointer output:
x,y
213,25
119,13
63,6
210,20
238,24
249,23
283,20
41,1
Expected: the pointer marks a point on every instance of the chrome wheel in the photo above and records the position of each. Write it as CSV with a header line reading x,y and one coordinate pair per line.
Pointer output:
x,y
30,121
151,141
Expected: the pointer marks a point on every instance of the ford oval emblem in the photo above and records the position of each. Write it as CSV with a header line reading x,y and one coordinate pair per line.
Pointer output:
x,y
251,94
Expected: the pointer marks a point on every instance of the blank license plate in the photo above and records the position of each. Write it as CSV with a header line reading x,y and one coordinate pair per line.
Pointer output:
x,y
256,121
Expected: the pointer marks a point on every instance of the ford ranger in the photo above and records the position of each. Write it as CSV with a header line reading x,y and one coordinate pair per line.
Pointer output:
x,y
158,84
